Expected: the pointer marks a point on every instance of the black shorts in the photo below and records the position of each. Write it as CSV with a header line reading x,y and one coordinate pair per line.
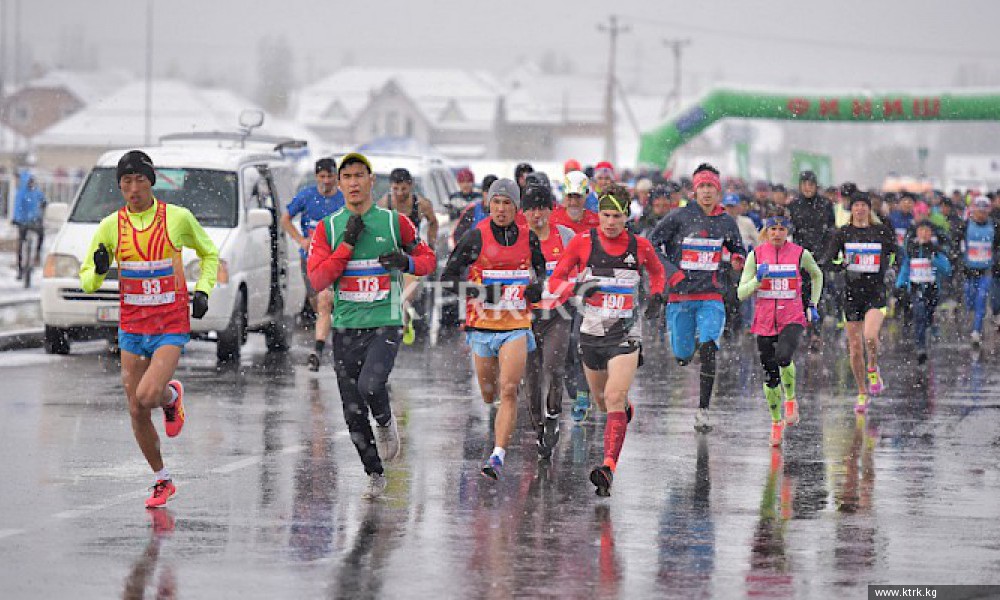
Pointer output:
x,y
596,358
859,299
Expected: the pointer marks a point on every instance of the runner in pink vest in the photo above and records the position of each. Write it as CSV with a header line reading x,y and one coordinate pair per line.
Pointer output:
x,y
772,274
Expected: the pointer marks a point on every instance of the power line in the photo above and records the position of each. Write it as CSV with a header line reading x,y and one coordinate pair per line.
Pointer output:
x,y
861,47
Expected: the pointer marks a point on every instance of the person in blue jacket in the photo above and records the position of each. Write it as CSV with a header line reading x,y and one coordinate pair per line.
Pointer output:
x,y
924,265
29,207
980,244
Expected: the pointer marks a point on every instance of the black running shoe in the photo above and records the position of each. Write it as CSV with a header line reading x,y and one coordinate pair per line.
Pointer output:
x,y
602,477
544,450
313,362
629,411
550,433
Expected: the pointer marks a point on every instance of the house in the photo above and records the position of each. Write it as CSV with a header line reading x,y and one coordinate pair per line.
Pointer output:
x,y
451,109
38,104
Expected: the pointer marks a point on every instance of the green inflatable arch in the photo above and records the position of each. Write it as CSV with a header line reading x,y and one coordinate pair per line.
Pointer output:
x,y
656,147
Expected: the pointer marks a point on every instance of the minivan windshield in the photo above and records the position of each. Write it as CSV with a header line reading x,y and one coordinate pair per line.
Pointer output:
x,y
210,195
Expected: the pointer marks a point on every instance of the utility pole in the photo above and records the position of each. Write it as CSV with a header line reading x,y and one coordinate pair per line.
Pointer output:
x,y
613,29
677,47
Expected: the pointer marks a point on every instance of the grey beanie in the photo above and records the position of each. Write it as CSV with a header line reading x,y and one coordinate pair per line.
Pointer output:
x,y
505,187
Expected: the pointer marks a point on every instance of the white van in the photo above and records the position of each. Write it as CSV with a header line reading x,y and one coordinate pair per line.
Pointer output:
x,y
236,187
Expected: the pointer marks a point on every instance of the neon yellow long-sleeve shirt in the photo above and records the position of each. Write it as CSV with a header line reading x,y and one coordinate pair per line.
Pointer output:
x,y
184,231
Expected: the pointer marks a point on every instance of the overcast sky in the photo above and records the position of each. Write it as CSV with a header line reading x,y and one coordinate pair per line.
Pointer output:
x,y
877,44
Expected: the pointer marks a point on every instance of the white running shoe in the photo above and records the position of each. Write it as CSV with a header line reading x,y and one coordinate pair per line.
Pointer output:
x,y
387,440
375,486
977,338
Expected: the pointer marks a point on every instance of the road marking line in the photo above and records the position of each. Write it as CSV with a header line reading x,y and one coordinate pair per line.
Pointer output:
x,y
236,466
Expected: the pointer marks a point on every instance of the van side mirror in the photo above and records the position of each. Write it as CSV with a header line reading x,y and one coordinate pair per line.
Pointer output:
x,y
57,212
258,217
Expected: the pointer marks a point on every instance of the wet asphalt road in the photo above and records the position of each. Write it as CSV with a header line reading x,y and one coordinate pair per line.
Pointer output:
x,y
269,485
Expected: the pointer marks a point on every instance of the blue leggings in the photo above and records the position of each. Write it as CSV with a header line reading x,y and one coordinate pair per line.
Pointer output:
x,y
977,291
923,300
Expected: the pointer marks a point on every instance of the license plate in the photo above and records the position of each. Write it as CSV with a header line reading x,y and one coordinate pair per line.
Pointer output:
x,y
109,313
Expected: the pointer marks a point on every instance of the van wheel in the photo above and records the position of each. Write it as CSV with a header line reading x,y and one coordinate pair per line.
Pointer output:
x,y
276,334
56,341
231,339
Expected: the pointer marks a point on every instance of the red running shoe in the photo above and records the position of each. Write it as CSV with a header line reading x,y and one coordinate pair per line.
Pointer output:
x,y
163,490
173,415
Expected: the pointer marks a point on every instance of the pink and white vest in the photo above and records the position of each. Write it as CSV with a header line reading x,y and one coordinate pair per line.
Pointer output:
x,y
778,300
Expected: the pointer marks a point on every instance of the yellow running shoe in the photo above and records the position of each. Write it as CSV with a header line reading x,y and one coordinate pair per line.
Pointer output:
x,y
409,334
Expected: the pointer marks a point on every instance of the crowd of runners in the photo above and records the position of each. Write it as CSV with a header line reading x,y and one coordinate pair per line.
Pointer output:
x,y
557,276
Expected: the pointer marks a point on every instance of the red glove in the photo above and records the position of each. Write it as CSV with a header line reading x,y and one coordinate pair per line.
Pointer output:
x,y
675,278
737,260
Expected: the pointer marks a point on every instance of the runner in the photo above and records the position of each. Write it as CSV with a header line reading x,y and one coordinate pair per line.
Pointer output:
x,y
921,269
659,206
772,274
867,249
552,319
402,199
362,250
145,238
813,222
500,255
466,195
690,241
314,203
573,215
613,260
981,246
471,216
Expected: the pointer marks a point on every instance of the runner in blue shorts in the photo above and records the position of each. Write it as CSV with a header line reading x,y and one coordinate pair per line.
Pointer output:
x,y
506,274
695,243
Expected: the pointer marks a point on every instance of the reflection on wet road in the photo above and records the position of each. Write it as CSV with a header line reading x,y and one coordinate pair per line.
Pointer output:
x,y
269,486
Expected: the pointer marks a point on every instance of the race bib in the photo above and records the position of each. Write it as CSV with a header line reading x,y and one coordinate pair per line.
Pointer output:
x,y
615,298
979,252
364,281
921,270
701,254
147,283
512,282
863,257
781,282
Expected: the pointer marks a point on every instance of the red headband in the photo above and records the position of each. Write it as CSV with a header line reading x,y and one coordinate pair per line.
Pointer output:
x,y
706,177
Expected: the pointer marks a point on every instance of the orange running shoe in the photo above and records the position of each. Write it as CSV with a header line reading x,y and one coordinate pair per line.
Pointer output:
x,y
173,415
777,429
791,412
163,490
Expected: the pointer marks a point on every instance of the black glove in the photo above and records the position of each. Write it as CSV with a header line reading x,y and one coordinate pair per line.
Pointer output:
x,y
653,306
199,304
533,293
588,289
102,260
353,230
394,260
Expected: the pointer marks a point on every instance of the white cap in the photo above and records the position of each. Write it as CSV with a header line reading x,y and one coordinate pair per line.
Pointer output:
x,y
576,182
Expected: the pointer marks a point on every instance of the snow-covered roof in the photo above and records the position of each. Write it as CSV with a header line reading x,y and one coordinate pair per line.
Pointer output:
x,y
11,141
87,86
448,98
119,119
